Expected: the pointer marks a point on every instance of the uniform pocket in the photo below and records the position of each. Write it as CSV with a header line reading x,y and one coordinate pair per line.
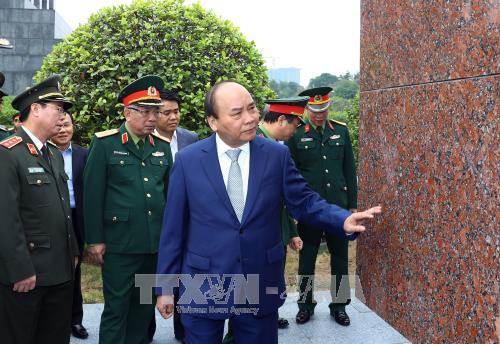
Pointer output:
x,y
114,216
37,241
306,145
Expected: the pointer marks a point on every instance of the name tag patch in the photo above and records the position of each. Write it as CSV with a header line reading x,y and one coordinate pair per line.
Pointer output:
x,y
120,153
35,170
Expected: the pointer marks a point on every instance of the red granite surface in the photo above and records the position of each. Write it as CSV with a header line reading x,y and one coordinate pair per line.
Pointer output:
x,y
430,155
412,42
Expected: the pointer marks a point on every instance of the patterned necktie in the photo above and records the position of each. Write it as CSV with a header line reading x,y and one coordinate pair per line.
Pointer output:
x,y
235,183
45,154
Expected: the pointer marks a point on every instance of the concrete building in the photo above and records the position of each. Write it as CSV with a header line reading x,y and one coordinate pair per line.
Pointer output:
x,y
32,27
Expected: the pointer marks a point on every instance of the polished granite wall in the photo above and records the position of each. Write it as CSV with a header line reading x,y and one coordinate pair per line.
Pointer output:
x,y
429,153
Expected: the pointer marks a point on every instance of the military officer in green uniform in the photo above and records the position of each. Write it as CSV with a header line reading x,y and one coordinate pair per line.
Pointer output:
x,y
280,120
322,151
125,183
38,250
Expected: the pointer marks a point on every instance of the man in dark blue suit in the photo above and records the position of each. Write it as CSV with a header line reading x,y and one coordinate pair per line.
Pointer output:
x,y
75,158
223,218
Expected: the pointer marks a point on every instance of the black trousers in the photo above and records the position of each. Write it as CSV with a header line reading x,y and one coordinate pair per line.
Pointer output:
x,y
40,316
77,310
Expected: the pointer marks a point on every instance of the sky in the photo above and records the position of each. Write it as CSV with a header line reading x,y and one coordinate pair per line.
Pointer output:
x,y
317,36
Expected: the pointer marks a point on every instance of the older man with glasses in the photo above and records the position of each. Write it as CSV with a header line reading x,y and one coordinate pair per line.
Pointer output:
x,y
125,183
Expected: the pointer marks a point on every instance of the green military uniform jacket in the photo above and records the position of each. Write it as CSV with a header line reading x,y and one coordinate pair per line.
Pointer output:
x,y
327,162
288,226
125,191
36,235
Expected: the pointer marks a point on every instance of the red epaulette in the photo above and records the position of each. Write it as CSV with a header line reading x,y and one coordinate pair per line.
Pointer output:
x,y
11,141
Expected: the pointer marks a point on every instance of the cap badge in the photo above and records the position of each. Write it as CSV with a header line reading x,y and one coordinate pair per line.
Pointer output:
x,y
317,98
152,91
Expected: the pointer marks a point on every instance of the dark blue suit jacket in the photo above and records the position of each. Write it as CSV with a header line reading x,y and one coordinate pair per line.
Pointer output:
x,y
202,235
79,158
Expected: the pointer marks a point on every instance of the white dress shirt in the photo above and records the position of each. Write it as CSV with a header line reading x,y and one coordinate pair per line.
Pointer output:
x,y
225,162
173,145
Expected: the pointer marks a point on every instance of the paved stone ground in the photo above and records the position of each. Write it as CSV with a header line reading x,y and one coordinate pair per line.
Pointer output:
x,y
366,326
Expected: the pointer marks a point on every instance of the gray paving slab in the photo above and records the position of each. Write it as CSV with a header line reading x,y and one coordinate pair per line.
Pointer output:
x,y
366,326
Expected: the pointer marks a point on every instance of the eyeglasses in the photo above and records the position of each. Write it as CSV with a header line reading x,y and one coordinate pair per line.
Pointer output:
x,y
146,113
57,108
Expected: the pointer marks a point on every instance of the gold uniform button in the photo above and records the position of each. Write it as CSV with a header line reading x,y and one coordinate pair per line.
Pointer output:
x,y
62,198
307,147
38,181
337,143
326,171
69,217
32,245
324,157
143,164
122,162
114,219
146,179
148,195
150,213
328,185
161,162
345,188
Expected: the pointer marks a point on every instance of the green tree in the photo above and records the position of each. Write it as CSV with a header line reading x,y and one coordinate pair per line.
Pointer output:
x,y
346,89
285,89
189,47
352,118
7,111
324,79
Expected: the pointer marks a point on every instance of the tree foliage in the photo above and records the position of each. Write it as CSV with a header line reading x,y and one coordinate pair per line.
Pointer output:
x,y
189,47
346,89
324,79
285,89
352,118
7,111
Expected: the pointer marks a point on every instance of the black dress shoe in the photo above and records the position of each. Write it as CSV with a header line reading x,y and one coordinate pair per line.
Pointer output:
x,y
341,318
282,323
303,316
79,331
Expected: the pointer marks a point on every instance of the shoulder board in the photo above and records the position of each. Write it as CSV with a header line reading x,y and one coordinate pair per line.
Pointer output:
x,y
106,133
11,142
52,143
158,136
338,122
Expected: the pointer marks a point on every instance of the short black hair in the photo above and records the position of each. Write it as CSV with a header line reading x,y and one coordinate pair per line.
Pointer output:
x,y
271,117
170,95
210,98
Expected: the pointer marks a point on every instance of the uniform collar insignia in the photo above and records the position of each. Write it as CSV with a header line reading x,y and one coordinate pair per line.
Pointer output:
x,y
32,149
307,128
151,141
158,154
124,138
330,125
